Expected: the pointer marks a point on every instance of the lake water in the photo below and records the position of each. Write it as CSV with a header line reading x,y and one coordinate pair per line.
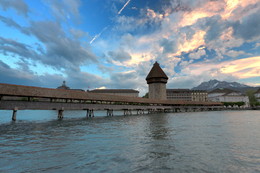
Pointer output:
x,y
227,141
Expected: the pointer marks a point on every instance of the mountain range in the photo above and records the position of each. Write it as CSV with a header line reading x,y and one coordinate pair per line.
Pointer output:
x,y
214,84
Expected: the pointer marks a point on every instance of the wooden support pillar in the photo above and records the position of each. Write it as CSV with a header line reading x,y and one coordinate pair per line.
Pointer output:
x,y
140,111
127,112
60,113
14,113
110,112
87,115
90,113
151,111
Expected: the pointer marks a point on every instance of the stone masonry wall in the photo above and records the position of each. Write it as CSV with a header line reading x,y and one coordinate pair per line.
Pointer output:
x,y
157,91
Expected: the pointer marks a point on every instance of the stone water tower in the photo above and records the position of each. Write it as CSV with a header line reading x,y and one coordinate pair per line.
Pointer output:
x,y
157,79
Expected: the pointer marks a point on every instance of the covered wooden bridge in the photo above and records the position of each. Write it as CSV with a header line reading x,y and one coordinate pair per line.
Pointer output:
x,y
18,97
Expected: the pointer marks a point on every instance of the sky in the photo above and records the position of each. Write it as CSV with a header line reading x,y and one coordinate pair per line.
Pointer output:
x,y
111,44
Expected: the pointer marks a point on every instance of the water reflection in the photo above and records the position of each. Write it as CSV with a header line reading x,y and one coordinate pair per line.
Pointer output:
x,y
158,127
160,148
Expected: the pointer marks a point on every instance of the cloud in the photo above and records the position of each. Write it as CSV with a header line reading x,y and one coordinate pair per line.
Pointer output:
x,y
19,5
156,16
59,46
75,79
241,68
64,10
236,54
78,34
57,49
26,77
248,28
119,55
12,47
169,46
197,54
9,22
131,80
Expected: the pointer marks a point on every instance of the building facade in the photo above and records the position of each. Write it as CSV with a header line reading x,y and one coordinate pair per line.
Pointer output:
x,y
187,95
157,80
199,95
257,95
118,92
228,96
178,94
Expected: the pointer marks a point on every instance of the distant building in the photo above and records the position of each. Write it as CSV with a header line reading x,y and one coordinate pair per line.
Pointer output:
x,y
199,95
228,95
119,92
63,86
157,79
178,94
187,95
257,95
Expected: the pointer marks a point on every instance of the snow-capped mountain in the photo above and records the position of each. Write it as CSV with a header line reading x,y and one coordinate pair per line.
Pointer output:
x,y
214,84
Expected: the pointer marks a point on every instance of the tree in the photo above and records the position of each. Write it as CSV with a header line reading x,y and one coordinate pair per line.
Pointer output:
x,y
146,95
239,104
251,96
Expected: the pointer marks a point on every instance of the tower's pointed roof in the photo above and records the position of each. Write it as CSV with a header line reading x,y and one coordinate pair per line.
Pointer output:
x,y
156,72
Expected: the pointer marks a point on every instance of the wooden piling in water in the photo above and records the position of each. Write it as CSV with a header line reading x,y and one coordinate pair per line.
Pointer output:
x,y
90,113
14,114
60,113
110,112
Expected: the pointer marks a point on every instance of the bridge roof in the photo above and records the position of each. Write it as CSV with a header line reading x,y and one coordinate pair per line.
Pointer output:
x,y
113,91
156,72
29,91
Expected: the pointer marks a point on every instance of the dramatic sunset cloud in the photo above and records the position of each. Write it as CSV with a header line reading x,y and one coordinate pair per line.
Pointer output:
x,y
241,68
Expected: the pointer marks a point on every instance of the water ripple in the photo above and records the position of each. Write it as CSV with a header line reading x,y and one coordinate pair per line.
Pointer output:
x,y
182,142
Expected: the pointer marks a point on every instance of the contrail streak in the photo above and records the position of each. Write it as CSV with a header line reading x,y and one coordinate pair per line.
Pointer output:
x,y
123,7
98,35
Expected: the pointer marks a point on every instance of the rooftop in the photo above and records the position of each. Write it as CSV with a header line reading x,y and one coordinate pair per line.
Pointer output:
x,y
37,92
114,91
63,86
156,73
185,90
223,90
